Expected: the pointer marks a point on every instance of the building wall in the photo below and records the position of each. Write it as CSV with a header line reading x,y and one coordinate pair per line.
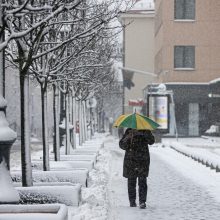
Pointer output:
x,y
138,51
203,33
12,93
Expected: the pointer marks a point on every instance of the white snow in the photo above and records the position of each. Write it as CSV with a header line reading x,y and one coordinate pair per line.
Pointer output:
x,y
196,172
33,212
63,124
6,133
66,194
212,129
179,187
143,5
95,197
76,157
72,176
7,194
62,165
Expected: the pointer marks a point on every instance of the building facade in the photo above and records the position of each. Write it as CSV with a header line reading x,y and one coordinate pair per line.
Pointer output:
x,y
138,53
187,59
187,40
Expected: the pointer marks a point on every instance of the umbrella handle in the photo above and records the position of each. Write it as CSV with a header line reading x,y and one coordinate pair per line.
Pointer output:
x,y
132,135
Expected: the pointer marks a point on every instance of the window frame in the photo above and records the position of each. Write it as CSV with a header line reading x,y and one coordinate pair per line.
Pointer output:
x,y
187,68
184,19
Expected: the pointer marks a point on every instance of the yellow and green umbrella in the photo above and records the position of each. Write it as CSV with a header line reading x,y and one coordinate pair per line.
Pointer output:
x,y
135,121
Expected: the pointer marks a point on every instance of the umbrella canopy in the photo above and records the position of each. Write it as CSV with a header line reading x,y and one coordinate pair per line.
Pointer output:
x,y
136,121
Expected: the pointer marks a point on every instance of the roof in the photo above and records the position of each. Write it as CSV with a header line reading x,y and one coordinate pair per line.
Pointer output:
x,y
143,5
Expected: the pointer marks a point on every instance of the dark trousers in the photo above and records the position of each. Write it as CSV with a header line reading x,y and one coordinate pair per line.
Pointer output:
x,y
142,189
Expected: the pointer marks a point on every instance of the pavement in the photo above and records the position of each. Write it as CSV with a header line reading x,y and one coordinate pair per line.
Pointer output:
x,y
171,196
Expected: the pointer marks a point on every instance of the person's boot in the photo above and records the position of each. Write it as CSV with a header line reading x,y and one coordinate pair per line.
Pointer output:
x,y
133,204
143,205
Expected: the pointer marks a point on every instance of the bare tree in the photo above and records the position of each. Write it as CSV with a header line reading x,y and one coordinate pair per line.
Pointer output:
x,y
28,25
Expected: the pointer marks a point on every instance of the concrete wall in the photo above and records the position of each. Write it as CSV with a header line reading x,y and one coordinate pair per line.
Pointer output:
x,y
13,104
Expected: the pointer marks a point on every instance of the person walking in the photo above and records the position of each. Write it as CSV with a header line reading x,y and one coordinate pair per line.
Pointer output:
x,y
136,163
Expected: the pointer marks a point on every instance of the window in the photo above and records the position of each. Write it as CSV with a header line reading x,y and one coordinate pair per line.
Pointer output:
x,y
184,9
184,57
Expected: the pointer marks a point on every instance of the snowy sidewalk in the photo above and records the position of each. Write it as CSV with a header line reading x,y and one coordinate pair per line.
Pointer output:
x,y
171,194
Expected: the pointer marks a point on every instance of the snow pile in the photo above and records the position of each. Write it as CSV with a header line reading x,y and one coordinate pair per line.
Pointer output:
x,y
63,125
213,129
201,155
8,193
77,157
95,197
62,165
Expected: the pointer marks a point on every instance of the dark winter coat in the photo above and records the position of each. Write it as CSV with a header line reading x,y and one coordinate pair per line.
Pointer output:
x,y
137,157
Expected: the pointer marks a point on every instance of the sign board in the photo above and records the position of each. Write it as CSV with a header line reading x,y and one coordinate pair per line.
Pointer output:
x,y
158,110
135,102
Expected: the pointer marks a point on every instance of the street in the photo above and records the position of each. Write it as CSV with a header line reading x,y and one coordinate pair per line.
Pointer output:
x,y
171,195
179,188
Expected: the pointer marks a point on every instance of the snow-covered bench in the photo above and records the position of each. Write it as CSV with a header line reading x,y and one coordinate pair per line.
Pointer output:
x,y
34,212
203,156
69,195
72,176
62,165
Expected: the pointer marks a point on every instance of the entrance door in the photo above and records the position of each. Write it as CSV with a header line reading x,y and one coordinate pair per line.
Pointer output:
x,y
193,119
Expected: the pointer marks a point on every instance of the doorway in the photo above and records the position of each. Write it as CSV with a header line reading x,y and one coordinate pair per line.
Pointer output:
x,y
193,119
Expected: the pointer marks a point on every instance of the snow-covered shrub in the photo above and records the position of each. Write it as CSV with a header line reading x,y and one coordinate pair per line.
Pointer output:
x,y
68,195
72,176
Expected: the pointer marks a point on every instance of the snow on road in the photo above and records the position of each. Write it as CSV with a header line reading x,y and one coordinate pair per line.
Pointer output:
x,y
175,188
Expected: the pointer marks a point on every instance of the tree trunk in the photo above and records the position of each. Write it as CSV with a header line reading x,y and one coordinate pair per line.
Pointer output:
x,y
71,116
67,124
25,131
91,122
74,121
61,115
80,123
84,121
46,165
56,132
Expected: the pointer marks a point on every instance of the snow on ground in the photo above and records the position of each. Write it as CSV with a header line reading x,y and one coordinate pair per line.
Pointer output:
x,y
209,143
15,155
179,188
95,198
8,193
199,173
